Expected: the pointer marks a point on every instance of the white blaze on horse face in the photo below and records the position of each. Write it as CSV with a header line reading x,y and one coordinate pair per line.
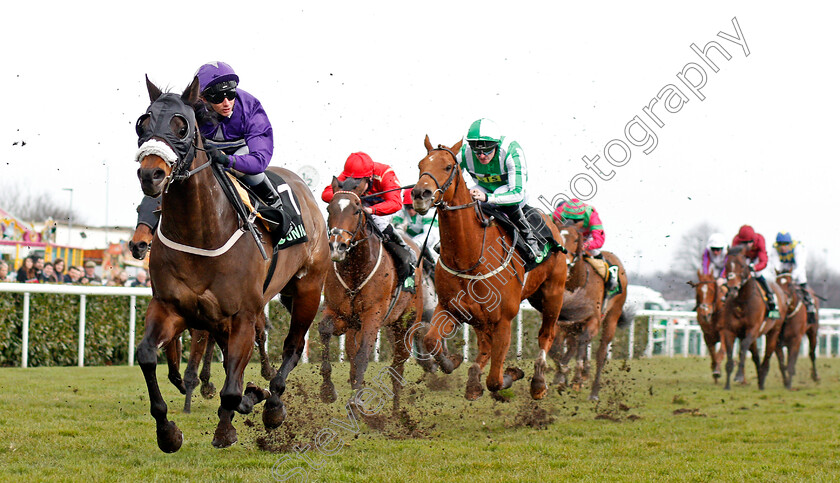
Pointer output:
x,y
563,234
343,204
703,291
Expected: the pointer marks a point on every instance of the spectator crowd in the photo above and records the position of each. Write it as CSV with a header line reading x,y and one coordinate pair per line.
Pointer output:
x,y
35,270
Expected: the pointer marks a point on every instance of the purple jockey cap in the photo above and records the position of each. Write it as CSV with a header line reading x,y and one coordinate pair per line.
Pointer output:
x,y
213,73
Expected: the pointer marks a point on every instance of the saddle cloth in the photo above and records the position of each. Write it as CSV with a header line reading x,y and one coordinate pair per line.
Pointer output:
x,y
291,211
601,266
545,238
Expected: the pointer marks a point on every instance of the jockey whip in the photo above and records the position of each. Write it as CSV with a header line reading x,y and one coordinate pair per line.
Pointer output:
x,y
373,195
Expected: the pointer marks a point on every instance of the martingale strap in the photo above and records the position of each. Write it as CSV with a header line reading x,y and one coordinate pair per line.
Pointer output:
x,y
200,251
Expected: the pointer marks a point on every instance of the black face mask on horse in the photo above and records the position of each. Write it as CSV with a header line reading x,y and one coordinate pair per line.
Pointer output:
x,y
156,124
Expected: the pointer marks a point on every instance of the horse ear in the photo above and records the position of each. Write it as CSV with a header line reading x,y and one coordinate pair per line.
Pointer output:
x,y
154,92
457,147
334,184
428,144
698,274
190,94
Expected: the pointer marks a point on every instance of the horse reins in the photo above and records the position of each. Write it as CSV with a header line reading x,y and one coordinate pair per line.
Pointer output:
x,y
484,222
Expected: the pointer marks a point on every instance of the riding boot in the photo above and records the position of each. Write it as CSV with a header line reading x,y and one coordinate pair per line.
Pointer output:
x,y
404,257
611,285
518,218
771,304
267,193
148,212
809,303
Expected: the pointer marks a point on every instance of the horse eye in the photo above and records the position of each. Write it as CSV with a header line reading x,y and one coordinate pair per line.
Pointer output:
x,y
449,167
180,126
142,124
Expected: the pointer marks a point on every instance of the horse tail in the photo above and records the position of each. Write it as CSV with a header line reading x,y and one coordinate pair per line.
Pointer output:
x,y
576,306
627,316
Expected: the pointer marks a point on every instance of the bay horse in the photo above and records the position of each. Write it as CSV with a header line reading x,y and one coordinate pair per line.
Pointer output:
x,y
744,316
210,278
480,282
708,305
795,327
578,328
362,293
202,344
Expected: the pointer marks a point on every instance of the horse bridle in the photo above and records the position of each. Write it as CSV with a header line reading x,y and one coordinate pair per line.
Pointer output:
x,y
335,231
704,305
444,206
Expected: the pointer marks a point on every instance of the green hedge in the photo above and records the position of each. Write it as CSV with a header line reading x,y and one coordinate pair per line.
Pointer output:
x,y
54,321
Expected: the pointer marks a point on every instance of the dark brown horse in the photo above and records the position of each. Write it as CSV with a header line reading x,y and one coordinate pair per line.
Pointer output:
x,y
359,292
479,281
208,277
795,327
577,329
202,344
708,305
744,316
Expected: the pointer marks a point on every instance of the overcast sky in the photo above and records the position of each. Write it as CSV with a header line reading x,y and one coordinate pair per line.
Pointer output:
x,y
564,80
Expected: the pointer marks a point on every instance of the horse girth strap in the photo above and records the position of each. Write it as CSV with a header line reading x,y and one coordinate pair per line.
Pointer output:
x,y
462,273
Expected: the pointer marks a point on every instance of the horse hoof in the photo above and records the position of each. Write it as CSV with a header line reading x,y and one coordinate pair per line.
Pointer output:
x,y
594,397
224,437
538,391
208,391
515,373
474,388
169,437
328,394
179,384
273,416
268,373
456,359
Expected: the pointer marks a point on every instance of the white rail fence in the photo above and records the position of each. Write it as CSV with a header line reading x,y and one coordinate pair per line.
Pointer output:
x,y
669,333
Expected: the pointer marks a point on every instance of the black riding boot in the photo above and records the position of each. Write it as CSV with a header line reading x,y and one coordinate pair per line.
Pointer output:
x,y
771,304
809,303
148,212
267,193
404,257
518,218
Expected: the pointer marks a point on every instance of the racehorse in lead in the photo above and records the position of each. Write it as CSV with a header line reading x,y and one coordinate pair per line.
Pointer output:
x,y
479,281
223,293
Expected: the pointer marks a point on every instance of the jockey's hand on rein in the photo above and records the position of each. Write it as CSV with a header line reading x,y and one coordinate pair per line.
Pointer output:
x,y
217,156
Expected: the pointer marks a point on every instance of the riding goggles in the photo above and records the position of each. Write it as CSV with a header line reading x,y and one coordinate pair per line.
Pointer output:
x,y
482,147
217,93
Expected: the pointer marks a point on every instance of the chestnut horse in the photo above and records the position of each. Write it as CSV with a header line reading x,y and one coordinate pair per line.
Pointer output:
x,y
207,277
359,292
708,305
479,281
744,316
576,330
795,327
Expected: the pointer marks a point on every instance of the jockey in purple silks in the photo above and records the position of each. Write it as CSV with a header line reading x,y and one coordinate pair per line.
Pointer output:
x,y
714,257
237,134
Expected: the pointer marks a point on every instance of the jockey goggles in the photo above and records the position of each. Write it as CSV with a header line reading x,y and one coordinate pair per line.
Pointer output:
x,y
217,93
482,147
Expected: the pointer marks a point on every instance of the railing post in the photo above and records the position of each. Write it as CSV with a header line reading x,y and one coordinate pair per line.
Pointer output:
x,y
132,326
82,309
24,355
265,310
518,335
305,358
649,346
377,345
686,337
341,348
466,343
631,339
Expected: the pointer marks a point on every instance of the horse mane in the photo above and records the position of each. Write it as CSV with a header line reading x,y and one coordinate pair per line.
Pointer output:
x,y
736,251
349,184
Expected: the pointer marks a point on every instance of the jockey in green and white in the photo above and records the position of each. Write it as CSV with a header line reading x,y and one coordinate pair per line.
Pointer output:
x,y
498,172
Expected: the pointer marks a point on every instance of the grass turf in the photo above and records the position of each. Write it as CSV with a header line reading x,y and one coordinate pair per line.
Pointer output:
x,y
658,419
